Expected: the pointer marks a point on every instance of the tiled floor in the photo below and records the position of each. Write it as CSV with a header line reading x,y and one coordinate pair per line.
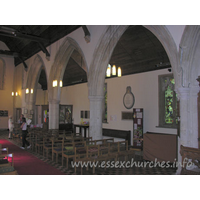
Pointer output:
x,y
134,166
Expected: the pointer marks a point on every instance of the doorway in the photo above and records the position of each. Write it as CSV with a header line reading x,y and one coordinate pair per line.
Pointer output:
x,y
18,113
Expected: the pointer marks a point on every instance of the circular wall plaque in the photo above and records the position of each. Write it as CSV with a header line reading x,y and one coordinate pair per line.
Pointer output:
x,y
129,98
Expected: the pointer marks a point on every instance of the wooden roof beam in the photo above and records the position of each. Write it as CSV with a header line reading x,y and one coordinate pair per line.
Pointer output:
x,y
14,54
87,34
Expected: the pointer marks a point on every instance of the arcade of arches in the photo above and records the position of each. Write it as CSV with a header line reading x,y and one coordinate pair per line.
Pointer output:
x,y
181,44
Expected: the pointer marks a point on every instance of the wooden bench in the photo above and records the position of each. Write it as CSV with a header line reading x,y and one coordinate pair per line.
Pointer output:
x,y
190,160
122,134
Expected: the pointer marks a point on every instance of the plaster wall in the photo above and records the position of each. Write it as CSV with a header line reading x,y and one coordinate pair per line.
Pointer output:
x,y
41,97
144,86
176,31
77,96
6,100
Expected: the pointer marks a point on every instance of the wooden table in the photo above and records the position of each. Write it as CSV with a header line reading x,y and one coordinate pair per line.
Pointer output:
x,y
84,127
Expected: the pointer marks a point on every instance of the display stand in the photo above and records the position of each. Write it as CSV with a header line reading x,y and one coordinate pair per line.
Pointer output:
x,y
138,128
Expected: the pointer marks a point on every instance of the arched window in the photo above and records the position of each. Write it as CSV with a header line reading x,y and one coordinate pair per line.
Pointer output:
x,y
167,102
2,71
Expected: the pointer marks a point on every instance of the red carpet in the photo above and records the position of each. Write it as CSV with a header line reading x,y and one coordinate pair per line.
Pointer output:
x,y
27,164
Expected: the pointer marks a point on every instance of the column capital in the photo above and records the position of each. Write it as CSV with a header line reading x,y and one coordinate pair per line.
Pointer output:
x,y
183,93
194,90
96,98
54,101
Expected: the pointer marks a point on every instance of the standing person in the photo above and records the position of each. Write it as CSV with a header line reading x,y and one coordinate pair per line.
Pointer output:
x,y
24,134
10,127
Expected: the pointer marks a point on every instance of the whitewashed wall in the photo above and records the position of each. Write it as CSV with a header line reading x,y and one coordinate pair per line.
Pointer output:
x,y
144,86
6,100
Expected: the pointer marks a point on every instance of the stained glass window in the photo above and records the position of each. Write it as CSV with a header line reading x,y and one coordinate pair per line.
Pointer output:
x,y
169,105
65,114
167,102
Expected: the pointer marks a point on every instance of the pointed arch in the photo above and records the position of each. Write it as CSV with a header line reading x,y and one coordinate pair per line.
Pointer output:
x,y
33,77
58,68
103,52
189,54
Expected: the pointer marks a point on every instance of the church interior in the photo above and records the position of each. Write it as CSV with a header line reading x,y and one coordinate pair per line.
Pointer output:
x,y
125,97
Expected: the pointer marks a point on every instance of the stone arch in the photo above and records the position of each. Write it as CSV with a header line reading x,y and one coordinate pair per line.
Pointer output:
x,y
101,57
189,54
32,79
190,70
57,71
103,52
60,62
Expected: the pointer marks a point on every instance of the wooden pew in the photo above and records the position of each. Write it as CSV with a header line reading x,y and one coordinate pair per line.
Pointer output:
x,y
122,134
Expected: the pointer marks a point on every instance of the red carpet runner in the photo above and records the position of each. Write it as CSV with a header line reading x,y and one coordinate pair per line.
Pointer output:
x,y
27,164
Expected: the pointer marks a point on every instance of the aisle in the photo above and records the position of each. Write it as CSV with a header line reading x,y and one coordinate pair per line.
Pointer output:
x,y
27,164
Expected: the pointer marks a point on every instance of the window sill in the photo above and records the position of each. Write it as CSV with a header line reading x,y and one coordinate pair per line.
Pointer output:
x,y
166,127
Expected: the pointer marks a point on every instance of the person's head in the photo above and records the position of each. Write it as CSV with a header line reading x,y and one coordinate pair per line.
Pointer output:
x,y
23,119
10,117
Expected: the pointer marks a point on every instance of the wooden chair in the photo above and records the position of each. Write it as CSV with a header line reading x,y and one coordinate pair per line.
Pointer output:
x,y
47,145
57,145
68,150
39,143
137,148
123,150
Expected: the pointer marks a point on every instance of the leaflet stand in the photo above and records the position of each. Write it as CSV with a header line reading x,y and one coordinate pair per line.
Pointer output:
x,y
138,128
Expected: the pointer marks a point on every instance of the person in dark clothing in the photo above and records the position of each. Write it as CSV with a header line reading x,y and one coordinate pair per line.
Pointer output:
x,y
24,134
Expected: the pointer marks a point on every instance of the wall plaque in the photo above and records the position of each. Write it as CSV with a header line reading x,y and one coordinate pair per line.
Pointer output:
x,y
127,115
3,113
129,98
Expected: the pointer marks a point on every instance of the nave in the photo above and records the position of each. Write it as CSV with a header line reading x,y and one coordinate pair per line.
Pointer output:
x,y
36,164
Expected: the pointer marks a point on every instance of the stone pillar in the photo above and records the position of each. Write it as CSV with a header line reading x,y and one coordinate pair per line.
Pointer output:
x,y
189,119
183,94
193,117
96,117
184,112
54,114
